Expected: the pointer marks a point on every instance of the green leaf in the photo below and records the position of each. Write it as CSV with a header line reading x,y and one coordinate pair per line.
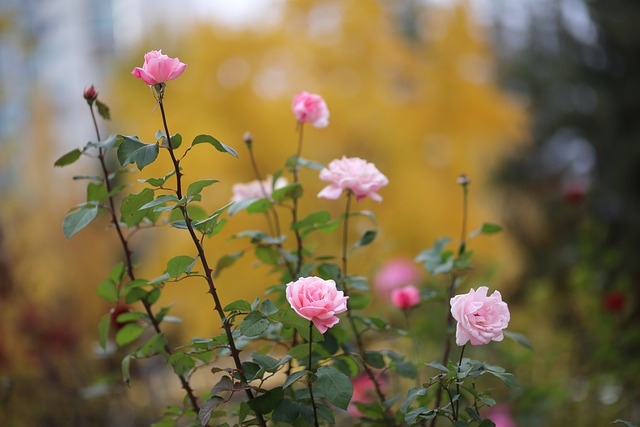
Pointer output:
x,y
68,158
155,345
103,110
320,217
374,359
290,319
267,254
486,423
107,290
197,186
509,379
625,423
268,363
239,305
131,150
368,237
226,261
519,338
358,301
288,192
182,363
159,201
259,206
411,396
334,386
295,377
179,265
254,324
267,402
207,408
96,192
129,333
79,219
208,139
116,273
268,308
125,366
329,271
131,207
289,410
103,330
433,257
241,205
488,228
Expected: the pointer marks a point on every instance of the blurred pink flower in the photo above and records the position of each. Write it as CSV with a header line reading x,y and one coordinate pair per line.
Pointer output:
x,y
395,273
257,189
501,416
405,297
364,391
317,300
354,174
310,108
481,318
158,68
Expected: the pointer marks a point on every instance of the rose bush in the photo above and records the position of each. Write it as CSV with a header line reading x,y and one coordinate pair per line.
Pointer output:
x,y
481,318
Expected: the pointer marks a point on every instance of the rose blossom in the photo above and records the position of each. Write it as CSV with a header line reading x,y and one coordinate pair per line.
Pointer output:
x,y
481,318
317,300
405,297
363,392
257,189
501,416
90,94
395,273
310,108
158,68
355,174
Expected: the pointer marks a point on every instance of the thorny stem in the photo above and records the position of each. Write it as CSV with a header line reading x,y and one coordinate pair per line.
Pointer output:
x,y
235,354
313,402
127,253
463,180
389,418
295,201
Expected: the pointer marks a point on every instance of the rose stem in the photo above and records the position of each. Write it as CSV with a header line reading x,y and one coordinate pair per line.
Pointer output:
x,y
127,253
345,238
313,402
464,182
235,354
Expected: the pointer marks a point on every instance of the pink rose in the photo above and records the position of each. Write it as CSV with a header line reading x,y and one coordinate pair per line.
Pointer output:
x,y
90,94
355,174
317,300
394,274
158,68
481,319
364,391
405,297
310,108
501,416
257,189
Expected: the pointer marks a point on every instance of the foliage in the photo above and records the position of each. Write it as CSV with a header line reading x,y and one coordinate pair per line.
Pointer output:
x,y
286,380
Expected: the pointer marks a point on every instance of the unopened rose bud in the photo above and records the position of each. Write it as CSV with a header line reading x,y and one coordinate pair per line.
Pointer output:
x,y
463,180
90,94
248,139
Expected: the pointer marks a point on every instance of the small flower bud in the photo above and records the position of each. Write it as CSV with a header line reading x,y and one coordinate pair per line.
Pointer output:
x,y
463,180
248,139
90,94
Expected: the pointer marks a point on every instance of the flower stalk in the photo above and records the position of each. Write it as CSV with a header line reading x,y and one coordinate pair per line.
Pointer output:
x,y
208,272
127,255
